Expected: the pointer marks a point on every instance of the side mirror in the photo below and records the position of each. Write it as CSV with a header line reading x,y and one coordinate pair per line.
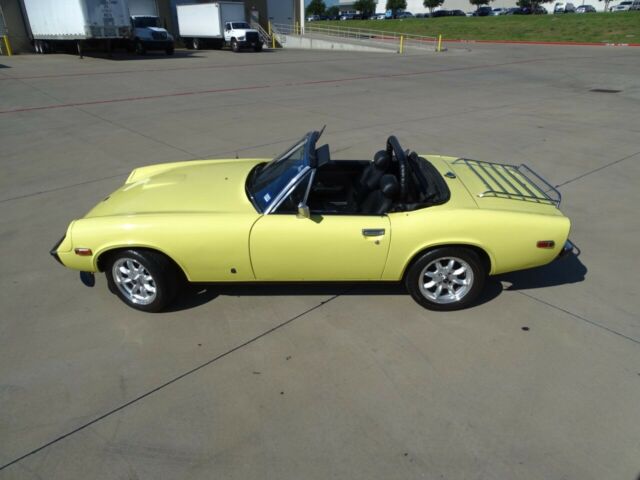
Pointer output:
x,y
303,211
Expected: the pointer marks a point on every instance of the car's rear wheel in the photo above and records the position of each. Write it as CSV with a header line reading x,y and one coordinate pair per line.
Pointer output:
x,y
447,278
143,279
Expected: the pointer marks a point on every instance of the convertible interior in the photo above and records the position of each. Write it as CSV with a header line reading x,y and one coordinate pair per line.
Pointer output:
x,y
395,180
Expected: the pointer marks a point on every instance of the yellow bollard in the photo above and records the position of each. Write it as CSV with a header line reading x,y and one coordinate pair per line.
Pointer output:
x,y
7,45
273,40
401,44
439,43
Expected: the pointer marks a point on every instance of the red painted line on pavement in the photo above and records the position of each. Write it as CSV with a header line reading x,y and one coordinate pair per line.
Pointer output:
x,y
155,70
258,87
527,42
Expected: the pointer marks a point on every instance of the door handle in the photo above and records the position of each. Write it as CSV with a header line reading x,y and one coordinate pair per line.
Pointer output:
x,y
372,232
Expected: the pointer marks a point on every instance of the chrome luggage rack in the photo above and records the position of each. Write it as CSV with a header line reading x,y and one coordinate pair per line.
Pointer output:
x,y
517,182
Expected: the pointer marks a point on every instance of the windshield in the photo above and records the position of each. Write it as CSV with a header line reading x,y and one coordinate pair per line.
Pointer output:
x,y
239,25
270,179
145,22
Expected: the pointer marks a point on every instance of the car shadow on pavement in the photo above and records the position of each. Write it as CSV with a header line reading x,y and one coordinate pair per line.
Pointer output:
x,y
566,270
560,272
195,295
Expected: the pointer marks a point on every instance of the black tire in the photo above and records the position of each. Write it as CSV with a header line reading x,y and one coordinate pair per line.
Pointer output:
x,y
195,43
131,274
257,48
139,48
439,265
234,45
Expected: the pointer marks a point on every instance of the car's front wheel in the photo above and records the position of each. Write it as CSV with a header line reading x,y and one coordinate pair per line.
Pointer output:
x,y
143,279
447,278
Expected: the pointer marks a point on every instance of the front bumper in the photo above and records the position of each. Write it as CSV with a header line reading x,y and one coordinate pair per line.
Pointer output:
x,y
248,43
157,44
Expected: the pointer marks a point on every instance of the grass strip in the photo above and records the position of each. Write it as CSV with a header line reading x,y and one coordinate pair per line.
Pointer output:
x,y
623,27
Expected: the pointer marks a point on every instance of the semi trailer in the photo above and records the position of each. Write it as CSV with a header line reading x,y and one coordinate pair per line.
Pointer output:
x,y
74,23
66,24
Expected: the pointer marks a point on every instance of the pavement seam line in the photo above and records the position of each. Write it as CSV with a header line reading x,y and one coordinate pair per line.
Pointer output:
x,y
595,170
579,317
168,383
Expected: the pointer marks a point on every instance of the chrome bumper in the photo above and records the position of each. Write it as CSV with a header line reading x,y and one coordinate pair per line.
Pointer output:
x,y
569,247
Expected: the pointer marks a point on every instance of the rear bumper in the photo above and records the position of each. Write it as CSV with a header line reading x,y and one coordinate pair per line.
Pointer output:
x,y
54,251
568,248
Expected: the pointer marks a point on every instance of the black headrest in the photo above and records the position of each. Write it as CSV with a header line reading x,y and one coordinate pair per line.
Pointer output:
x,y
389,186
382,160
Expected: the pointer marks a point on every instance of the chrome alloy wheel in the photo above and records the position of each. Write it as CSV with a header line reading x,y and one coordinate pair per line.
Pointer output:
x,y
446,280
134,281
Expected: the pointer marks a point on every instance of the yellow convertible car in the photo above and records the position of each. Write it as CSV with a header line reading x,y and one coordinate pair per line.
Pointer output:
x,y
439,224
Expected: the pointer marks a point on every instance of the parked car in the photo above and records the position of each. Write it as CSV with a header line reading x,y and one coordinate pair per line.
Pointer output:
x,y
457,13
438,224
482,12
513,11
498,11
561,7
404,15
539,10
635,5
441,13
622,6
313,18
586,9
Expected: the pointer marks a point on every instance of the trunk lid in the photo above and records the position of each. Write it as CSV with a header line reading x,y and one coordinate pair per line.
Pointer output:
x,y
506,187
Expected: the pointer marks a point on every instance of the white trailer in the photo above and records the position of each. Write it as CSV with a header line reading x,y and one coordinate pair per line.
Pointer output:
x,y
216,24
72,22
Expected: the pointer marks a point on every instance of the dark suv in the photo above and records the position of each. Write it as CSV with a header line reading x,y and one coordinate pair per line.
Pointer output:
x,y
482,12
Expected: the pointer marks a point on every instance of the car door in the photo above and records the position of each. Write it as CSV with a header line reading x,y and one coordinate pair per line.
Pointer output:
x,y
324,247
284,247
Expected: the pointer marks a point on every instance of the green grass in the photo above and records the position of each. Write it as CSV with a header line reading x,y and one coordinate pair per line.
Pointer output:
x,y
591,27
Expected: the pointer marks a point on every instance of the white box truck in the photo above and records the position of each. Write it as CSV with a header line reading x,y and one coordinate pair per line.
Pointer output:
x,y
215,25
70,23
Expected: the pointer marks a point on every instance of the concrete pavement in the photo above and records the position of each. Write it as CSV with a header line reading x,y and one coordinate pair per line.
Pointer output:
x,y
540,380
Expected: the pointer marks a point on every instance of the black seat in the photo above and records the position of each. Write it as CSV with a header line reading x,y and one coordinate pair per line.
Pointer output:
x,y
369,179
381,200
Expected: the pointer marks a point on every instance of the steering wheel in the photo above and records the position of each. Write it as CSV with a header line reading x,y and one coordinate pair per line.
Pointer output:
x,y
394,149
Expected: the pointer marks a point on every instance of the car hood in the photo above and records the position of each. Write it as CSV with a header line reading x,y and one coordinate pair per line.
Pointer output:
x,y
199,186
